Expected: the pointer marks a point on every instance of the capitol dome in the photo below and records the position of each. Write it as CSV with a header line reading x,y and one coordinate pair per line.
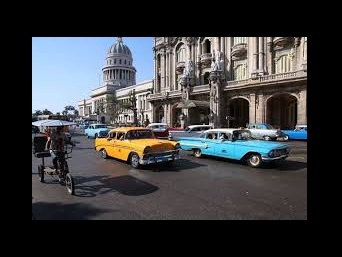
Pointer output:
x,y
119,48
118,69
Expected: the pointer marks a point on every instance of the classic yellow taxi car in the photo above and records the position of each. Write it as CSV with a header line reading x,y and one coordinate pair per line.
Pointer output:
x,y
138,146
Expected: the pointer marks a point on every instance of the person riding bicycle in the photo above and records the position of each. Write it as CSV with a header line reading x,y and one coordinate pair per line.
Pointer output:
x,y
56,143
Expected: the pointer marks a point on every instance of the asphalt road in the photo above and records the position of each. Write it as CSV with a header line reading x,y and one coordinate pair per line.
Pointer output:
x,y
191,189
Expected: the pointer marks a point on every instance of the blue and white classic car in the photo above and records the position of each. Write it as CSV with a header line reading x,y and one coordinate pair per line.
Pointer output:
x,y
96,130
299,133
235,144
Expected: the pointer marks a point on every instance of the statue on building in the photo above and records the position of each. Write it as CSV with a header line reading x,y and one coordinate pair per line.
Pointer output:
x,y
189,68
218,63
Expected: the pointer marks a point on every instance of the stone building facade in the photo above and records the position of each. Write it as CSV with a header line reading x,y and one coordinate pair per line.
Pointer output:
x,y
230,81
119,78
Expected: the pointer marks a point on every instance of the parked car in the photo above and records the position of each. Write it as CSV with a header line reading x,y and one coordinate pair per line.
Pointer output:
x,y
138,146
265,131
235,144
189,131
299,133
160,130
96,130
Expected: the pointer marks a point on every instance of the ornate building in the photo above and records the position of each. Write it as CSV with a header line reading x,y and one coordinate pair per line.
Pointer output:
x,y
230,81
119,79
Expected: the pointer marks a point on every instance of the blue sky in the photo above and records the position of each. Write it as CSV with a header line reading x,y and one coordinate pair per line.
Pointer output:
x,y
66,69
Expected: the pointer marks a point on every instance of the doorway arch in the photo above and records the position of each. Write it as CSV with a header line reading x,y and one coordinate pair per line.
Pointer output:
x,y
281,110
238,109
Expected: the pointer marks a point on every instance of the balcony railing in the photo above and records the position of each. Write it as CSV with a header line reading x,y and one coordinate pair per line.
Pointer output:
x,y
282,41
179,67
205,59
268,78
239,50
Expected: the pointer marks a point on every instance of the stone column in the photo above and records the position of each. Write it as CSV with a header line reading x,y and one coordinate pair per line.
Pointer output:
x,y
252,108
261,56
155,84
162,70
222,48
260,108
198,62
304,63
301,108
255,56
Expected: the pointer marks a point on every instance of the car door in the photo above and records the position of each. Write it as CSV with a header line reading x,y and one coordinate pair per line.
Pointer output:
x,y
110,144
211,142
120,145
225,147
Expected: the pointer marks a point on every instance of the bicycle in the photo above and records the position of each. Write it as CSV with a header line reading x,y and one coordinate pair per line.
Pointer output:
x,y
62,170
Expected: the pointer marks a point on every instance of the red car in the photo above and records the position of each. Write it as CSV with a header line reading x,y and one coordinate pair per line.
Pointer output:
x,y
160,130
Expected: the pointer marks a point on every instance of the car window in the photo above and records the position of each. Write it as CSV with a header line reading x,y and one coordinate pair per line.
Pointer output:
x,y
112,135
120,135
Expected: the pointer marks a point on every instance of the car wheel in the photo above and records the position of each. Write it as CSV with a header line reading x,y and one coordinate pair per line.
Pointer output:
x,y
134,160
254,160
286,137
197,153
267,138
104,154
95,136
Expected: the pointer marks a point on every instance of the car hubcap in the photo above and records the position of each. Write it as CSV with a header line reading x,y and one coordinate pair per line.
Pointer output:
x,y
255,160
135,160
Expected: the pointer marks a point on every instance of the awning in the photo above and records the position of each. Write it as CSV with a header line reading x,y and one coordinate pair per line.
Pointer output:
x,y
192,104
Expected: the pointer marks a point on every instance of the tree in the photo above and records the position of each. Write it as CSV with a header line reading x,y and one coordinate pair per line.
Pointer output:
x,y
46,112
113,106
132,105
37,112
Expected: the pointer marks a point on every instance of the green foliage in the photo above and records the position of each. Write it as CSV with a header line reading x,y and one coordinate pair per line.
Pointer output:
x,y
113,106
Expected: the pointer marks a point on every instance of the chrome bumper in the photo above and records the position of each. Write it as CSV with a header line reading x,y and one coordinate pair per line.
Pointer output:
x,y
150,159
268,159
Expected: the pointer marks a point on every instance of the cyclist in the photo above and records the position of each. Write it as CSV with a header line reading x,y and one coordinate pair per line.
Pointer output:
x,y
56,143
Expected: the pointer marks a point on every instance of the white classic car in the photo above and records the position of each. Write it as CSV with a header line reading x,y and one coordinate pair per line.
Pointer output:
x,y
265,131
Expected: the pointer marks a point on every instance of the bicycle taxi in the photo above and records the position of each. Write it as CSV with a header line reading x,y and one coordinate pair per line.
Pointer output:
x,y
62,171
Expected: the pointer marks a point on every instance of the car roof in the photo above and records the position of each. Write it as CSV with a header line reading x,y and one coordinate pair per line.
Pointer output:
x,y
225,130
151,124
125,129
194,126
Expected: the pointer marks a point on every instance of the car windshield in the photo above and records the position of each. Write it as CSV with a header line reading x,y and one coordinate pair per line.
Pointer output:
x,y
101,126
268,126
242,135
139,134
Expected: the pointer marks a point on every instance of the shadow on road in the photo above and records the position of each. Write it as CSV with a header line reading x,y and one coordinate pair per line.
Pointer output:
x,y
59,211
176,166
126,185
287,165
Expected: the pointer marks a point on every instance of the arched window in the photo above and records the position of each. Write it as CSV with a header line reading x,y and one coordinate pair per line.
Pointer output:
x,y
240,40
181,53
120,61
206,78
207,46
283,64
240,72
114,61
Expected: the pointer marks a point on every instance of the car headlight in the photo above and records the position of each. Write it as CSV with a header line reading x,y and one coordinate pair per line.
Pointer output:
x,y
147,150
177,146
271,153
